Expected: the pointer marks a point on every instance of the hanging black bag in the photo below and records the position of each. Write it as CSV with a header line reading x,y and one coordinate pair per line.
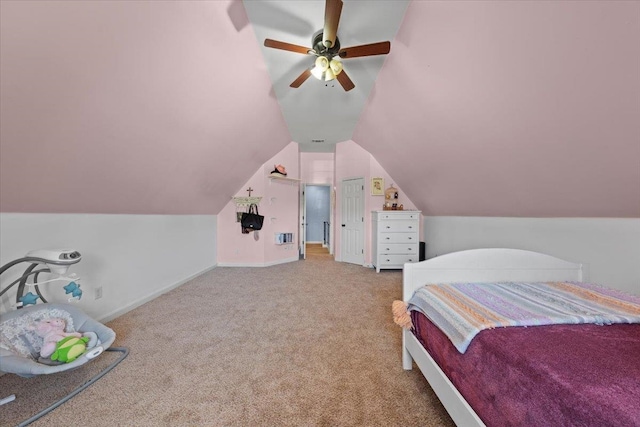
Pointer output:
x,y
251,220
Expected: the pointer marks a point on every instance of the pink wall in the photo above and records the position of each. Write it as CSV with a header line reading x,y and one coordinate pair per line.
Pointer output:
x,y
317,168
131,106
280,201
512,108
352,161
487,108
279,206
376,202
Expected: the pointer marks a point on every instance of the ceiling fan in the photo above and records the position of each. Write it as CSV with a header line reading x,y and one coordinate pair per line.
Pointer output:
x,y
326,49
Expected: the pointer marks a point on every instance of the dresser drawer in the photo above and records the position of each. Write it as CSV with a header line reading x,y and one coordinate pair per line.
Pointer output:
x,y
402,225
396,260
398,238
397,248
395,239
398,215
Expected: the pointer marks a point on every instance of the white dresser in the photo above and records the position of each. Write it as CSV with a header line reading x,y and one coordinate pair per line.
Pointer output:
x,y
396,238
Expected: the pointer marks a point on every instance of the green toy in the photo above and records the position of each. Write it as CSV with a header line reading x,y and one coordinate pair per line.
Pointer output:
x,y
69,348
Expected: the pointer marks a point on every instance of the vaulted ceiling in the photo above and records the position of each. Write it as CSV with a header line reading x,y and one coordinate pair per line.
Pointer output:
x,y
485,108
320,114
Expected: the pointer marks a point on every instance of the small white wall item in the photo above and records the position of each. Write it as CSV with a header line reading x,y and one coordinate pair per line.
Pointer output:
x,y
245,202
608,248
133,258
283,238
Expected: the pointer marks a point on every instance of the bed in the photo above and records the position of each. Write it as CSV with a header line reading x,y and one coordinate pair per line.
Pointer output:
x,y
568,374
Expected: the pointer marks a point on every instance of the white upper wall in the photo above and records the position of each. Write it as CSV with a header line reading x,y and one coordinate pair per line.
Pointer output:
x,y
608,248
133,258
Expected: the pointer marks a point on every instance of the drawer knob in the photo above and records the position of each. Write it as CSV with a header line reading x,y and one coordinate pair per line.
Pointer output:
x,y
388,226
410,226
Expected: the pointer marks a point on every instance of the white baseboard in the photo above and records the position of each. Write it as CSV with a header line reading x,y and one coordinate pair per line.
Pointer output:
x,y
119,312
266,264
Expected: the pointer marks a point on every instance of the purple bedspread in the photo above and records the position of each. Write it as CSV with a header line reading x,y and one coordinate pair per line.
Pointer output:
x,y
556,375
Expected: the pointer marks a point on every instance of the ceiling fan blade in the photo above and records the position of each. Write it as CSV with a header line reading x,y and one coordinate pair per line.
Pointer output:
x,y
380,48
332,11
301,78
345,81
275,44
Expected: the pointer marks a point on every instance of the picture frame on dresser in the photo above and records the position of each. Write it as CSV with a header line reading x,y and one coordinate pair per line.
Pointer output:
x,y
377,186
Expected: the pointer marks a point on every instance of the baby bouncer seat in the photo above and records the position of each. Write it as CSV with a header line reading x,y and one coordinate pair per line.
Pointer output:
x,y
20,343
20,346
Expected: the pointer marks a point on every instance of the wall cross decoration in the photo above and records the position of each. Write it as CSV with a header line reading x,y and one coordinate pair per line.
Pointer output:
x,y
250,190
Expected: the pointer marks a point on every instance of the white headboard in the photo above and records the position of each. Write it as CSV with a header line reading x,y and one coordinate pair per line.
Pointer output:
x,y
488,265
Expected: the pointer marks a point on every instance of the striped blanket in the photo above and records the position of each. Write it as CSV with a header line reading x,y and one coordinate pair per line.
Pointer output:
x,y
462,310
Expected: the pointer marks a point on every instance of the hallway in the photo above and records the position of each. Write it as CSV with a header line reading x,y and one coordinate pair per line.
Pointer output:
x,y
316,250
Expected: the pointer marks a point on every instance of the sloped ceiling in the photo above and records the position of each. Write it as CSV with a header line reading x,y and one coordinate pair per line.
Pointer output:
x,y
150,107
320,114
482,108
512,108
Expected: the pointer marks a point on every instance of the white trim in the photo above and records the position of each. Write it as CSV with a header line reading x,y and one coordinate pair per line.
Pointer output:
x,y
266,264
119,312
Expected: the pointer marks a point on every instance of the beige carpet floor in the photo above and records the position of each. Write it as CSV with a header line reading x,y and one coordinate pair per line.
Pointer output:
x,y
308,343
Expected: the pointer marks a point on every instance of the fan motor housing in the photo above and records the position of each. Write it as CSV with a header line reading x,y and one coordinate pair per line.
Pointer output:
x,y
321,49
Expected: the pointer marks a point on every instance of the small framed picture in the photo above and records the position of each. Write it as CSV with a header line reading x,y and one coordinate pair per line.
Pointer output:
x,y
377,186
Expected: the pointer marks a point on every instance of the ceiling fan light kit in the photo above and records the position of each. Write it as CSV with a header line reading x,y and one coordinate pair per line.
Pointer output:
x,y
326,69
326,48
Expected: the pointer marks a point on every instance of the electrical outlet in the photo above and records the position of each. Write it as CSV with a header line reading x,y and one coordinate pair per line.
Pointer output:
x,y
98,294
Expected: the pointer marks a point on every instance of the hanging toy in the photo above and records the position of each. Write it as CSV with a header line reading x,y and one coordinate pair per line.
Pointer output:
x,y
74,289
28,299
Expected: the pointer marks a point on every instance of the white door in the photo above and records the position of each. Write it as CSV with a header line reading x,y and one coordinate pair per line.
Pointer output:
x,y
303,228
352,224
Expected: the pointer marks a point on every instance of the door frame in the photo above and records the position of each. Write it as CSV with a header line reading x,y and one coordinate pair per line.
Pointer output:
x,y
303,217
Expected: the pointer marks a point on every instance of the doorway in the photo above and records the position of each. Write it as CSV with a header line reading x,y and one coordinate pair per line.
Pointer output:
x,y
316,220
